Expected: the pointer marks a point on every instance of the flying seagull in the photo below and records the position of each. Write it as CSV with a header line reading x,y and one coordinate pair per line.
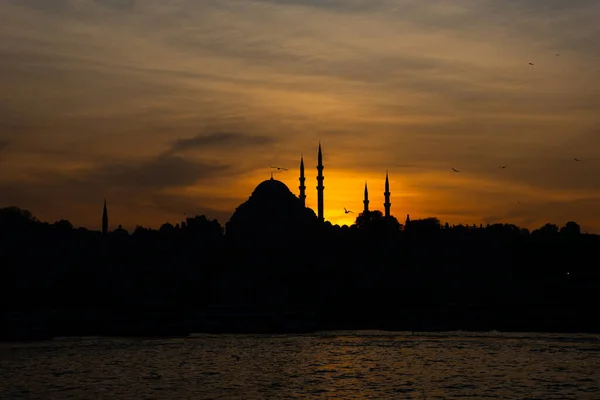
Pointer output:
x,y
347,211
503,166
455,170
279,168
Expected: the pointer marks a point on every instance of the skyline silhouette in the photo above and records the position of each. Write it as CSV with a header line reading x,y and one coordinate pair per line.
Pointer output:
x,y
276,268
175,108
301,197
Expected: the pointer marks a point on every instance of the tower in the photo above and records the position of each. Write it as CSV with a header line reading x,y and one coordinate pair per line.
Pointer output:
x,y
366,200
104,219
302,179
387,203
320,187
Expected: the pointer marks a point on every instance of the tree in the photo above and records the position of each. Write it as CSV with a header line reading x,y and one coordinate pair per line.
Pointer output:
x,y
375,222
571,228
12,216
367,218
63,225
546,230
200,228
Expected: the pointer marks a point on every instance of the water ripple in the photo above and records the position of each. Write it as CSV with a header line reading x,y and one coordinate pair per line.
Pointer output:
x,y
381,365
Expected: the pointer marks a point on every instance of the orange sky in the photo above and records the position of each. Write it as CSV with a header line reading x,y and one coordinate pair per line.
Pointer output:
x,y
179,107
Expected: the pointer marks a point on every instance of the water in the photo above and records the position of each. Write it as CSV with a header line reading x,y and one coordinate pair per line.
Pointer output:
x,y
378,365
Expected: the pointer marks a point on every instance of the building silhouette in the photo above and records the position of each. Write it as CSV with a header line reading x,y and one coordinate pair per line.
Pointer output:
x,y
105,220
366,200
387,205
272,212
302,187
320,187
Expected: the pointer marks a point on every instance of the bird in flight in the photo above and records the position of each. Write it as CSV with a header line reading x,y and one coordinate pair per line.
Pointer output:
x,y
347,211
455,170
530,63
576,159
279,168
503,166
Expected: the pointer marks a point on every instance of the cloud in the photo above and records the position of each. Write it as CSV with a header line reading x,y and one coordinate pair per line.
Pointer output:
x,y
117,4
43,5
220,140
146,192
161,172
334,5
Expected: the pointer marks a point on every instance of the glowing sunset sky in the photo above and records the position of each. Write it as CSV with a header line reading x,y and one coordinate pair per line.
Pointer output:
x,y
173,107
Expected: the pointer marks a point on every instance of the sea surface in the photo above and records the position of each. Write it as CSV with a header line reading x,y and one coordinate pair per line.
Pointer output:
x,y
346,365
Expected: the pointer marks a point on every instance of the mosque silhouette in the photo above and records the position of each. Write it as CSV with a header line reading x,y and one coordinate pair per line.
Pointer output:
x,y
274,210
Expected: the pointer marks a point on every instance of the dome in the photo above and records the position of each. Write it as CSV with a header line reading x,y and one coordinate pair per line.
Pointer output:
x,y
270,188
271,210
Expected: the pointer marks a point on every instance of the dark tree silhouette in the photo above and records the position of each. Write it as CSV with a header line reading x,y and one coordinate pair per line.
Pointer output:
x,y
14,216
571,228
368,218
546,230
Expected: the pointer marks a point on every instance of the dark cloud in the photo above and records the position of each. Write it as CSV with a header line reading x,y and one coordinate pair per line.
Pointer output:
x,y
61,5
221,139
143,191
337,5
117,4
280,56
129,206
540,7
161,172
186,206
51,6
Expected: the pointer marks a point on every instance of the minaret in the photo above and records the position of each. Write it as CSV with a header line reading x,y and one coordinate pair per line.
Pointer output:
x,y
104,219
302,179
320,187
387,203
366,200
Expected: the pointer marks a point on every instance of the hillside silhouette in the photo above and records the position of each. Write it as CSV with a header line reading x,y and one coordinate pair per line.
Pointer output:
x,y
60,280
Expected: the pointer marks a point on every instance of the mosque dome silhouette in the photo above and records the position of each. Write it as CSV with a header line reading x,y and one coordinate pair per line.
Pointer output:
x,y
272,189
272,211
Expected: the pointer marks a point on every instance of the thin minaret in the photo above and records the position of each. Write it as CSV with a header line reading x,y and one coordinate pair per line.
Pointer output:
x,y
104,219
387,203
366,200
302,179
320,187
